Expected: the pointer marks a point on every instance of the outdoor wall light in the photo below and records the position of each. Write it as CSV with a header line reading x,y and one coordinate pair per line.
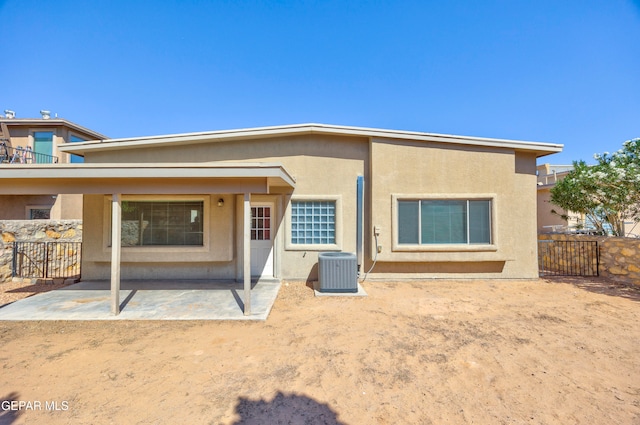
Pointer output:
x,y
221,202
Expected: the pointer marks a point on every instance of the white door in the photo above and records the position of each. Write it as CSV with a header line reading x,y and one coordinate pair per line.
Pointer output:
x,y
262,239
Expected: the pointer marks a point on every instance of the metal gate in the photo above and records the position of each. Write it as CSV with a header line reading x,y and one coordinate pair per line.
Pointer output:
x,y
568,258
47,260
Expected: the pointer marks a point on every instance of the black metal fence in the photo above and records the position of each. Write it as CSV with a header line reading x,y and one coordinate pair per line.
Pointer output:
x,y
24,155
47,260
568,258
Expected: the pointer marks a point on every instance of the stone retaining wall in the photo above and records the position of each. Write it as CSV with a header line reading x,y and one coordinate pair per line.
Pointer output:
x,y
619,257
33,231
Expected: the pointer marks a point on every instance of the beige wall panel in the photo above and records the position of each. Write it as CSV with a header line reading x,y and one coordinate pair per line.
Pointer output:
x,y
214,260
160,271
545,217
19,136
70,206
405,168
521,234
328,166
14,207
305,157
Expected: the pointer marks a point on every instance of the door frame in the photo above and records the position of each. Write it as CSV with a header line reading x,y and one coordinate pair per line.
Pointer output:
x,y
271,203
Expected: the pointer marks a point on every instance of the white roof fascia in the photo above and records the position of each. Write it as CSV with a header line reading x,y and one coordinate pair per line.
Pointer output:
x,y
120,170
288,130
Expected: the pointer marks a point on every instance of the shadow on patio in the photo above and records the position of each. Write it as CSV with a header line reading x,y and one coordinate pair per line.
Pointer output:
x,y
148,300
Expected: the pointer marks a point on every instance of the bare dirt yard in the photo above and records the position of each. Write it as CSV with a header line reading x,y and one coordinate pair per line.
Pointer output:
x,y
428,352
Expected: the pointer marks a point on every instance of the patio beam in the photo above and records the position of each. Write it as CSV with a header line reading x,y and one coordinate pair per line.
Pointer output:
x,y
246,257
116,226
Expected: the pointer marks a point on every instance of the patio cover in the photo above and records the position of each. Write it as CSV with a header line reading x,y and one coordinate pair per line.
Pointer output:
x,y
245,178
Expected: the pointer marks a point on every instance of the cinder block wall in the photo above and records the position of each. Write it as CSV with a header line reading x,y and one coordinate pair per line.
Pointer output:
x,y
619,257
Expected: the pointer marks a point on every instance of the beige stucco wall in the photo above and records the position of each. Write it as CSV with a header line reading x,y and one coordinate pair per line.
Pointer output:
x,y
304,157
14,207
328,166
405,169
546,220
63,206
212,260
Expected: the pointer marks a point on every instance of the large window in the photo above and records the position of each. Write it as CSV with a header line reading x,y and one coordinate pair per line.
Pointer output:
x,y
313,222
423,222
162,223
75,159
43,144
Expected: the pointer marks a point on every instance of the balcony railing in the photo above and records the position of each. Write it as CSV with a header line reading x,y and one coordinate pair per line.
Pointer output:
x,y
26,155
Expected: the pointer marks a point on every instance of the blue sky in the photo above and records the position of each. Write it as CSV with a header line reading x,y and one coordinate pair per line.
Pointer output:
x,y
545,70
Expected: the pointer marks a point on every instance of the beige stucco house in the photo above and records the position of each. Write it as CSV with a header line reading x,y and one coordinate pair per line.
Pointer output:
x,y
35,141
550,216
264,202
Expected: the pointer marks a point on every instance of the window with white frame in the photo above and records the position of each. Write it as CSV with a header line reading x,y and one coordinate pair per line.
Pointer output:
x,y
313,222
162,223
438,221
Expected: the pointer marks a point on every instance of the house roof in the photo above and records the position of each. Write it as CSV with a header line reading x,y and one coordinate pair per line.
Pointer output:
x,y
51,122
541,149
133,178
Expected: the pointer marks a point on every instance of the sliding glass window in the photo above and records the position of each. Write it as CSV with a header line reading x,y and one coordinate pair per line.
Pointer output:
x,y
163,223
427,222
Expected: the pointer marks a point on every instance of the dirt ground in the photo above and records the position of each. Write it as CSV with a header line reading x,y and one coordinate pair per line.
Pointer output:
x,y
428,352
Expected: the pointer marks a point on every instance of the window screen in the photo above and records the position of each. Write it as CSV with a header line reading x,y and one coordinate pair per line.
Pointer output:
x,y
162,223
444,221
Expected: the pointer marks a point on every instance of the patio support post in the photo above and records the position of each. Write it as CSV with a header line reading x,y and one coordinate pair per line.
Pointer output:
x,y
246,258
116,226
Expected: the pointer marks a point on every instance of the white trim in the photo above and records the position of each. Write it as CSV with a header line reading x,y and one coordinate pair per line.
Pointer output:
x,y
207,177
148,170
116,215
273,233
246,251
302,129
315,247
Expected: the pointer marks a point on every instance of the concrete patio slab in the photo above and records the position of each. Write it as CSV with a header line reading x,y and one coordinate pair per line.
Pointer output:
x,y
148,300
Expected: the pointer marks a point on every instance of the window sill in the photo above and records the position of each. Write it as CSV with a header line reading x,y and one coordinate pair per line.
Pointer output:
x,y
444,248
312,247
445,254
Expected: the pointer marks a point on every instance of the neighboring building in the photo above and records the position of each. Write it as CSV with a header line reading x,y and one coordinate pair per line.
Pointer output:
x,y
265,201
549,215
550,222
33,141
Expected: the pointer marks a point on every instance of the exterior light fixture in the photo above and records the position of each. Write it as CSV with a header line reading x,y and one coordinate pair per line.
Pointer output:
x,y
221,202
